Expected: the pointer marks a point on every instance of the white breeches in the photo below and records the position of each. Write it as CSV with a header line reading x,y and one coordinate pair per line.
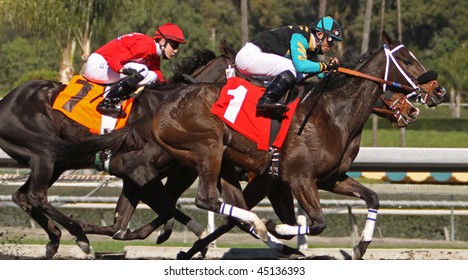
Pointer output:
x,y
251,61
98,71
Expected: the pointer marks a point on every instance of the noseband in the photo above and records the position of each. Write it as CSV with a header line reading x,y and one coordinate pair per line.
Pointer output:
x,y
384,106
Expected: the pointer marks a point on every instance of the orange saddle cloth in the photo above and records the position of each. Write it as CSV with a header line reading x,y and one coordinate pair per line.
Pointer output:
x,y
79,100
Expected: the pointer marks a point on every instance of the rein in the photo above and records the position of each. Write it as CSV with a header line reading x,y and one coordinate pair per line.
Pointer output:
x,y
389,57
372,78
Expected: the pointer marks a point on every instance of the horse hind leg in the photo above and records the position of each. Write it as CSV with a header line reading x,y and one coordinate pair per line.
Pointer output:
x,y
158,199
124,209
52,231
203,243
176,185
190,223
37,197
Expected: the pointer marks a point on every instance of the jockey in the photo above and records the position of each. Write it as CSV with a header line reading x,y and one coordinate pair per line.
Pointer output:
x,y
287,53
135,56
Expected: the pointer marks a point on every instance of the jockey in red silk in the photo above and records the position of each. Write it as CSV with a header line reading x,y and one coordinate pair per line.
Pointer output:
x,y
135,57
287,53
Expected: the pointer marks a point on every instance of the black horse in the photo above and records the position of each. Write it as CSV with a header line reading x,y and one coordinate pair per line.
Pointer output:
x,y
317,151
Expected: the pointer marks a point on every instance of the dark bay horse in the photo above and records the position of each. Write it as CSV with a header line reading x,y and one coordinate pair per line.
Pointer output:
x,y
31,132
316,158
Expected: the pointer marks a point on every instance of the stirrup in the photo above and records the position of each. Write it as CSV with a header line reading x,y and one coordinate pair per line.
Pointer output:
x,y
272,106
111,111
267,104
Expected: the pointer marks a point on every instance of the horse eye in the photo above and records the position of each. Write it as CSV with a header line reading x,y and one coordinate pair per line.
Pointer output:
x,y
407,61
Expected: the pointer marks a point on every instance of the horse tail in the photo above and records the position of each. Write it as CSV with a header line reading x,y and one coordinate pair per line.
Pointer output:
x,y
87,149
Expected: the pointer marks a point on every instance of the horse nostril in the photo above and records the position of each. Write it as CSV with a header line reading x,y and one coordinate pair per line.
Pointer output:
x,y
414,112
440,91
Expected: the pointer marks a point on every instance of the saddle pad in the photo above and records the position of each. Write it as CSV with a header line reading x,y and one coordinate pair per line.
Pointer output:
x,y
78,102
236,106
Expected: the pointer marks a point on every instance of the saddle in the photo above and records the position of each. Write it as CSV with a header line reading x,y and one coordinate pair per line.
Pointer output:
x,y
263,81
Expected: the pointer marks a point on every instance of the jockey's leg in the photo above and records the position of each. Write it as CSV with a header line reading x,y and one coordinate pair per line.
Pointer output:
x,y
275,90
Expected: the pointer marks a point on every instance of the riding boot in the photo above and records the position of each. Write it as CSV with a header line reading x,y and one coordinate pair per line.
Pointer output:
x,y
275,90
110,106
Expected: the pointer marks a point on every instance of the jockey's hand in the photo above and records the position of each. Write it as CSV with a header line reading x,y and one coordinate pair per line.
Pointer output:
x,y
330,66
128,71
334,59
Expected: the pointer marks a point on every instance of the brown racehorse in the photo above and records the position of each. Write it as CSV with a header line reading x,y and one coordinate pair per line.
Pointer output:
x,y
315,157
32,133
35,140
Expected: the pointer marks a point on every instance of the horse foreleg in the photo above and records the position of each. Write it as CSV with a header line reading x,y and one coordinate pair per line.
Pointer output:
x,y
350,187
203,243
307,196
207,199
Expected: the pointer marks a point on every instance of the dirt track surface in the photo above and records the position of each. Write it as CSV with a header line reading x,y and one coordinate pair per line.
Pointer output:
x,y
329,248
67,252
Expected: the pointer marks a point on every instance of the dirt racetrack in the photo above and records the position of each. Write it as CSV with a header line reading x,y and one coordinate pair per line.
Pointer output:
x,y
71,252
324,249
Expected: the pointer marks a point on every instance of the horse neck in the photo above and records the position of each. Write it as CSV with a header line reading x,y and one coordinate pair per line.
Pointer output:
x,y
350,104
213,72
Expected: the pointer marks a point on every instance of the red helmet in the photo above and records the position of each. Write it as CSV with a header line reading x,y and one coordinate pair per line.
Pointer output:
x,y
170,31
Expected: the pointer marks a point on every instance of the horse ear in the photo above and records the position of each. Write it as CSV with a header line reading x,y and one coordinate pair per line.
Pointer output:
x,y
386,38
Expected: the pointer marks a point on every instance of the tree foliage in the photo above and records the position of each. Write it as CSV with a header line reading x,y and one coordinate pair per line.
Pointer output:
x,y
430,28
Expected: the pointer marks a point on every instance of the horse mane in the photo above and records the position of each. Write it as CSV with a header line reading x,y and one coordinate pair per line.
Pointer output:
x,y
189,64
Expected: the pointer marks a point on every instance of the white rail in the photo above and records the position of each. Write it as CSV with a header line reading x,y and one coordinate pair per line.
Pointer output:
x,y
383,159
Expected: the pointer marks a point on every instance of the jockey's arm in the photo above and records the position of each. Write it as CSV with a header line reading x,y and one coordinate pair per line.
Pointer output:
x,y
298,48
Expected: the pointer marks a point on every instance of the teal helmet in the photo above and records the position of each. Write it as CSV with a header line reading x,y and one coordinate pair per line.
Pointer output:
x,y
329,26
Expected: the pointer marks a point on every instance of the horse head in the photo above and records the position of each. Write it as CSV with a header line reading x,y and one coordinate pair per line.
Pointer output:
x,y
402,63
396,108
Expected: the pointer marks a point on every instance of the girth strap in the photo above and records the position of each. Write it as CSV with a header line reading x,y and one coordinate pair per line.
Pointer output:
x,y
273,169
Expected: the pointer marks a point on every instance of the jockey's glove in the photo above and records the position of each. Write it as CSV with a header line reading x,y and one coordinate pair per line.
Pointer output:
x,y
330,66
128,71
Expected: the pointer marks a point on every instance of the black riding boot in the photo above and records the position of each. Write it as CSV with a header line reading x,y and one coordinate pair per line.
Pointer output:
x,y
110,106
275,90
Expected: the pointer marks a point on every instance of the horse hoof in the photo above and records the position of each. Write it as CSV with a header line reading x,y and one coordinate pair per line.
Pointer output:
x,y
360,249
120,235
357,255
261,231
163,236
51,250
292,254
84,246
203,252
182,256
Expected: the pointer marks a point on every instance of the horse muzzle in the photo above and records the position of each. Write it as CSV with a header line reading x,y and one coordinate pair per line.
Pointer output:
x,y
432,93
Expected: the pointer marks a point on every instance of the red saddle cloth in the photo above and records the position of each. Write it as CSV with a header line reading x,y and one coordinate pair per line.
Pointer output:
x,y
79,100
236,106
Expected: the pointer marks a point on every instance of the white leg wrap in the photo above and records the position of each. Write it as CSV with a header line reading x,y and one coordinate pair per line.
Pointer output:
x,y
368,230
236,212
284,229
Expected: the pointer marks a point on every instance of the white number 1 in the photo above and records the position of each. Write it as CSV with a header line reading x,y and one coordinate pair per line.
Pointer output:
x,y
235,104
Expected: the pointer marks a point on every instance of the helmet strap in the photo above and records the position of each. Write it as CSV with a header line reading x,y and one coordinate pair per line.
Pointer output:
x,y
319,42
161,49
